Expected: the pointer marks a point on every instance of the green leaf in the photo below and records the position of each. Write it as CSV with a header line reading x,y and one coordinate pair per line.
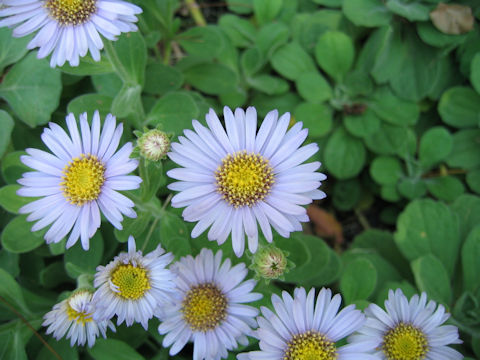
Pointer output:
x,y
344,155
446,188
393,109
370,13
466,149
470,263
240,7
133,226
32,89
316,264
174,112
9,262
174,235
460,107
127,100
18,238
11,49
251,61
335,54
419,70
53,275
12,167
11,292
362,125
84,261
110,349
62,348
432,277
9,199
389,55
161,79
429,227
475,72
291,61
283,103
266,10
270,37
382,242
390,193
313,87
358,280
212,79
128,55
6,124
240,31
268,84
88,67
347,194
412,188
473,180
411,11
390,140
203,42
386,170
467,208
432,36
89,103
435,145
107,84
316,117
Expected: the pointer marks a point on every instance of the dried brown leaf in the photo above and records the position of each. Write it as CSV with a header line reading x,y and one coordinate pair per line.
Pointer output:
x,y
326,225
453,19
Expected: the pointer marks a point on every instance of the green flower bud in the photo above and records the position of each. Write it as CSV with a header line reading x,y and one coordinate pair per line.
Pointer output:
x,y
153,144
270,262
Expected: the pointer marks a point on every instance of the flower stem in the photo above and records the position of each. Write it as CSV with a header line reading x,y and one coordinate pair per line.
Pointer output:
x,y
155,222
196,13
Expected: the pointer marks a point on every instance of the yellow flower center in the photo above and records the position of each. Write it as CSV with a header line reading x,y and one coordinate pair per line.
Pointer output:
x,y
405,342
71,12
83,179
132,281
244,178
78,316
310,346
204,307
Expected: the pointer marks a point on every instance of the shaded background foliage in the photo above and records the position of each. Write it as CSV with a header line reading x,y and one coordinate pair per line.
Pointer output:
x,y
389,89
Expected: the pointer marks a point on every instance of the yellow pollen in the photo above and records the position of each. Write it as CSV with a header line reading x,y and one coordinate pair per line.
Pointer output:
x,y
204,307
74,315
244,178
132,281
71,12
83,179
405,342
310,345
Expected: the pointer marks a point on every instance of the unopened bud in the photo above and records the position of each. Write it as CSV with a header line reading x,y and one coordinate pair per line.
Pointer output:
x,y
153,144
270,262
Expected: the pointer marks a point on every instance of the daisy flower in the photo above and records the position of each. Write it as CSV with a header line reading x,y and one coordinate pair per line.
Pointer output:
x,y
132,285
73,316
79,179
409,330
69,28
208,307
302,328
235,179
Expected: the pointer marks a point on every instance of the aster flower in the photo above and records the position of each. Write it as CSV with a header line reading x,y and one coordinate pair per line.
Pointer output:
x,y
208,307
69,28
409,330
235,179
302,329
132,285
79,179
73,316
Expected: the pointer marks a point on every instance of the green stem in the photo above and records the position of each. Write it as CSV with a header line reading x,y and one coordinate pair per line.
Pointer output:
x,y
167,52
115,61
196,13
155,222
